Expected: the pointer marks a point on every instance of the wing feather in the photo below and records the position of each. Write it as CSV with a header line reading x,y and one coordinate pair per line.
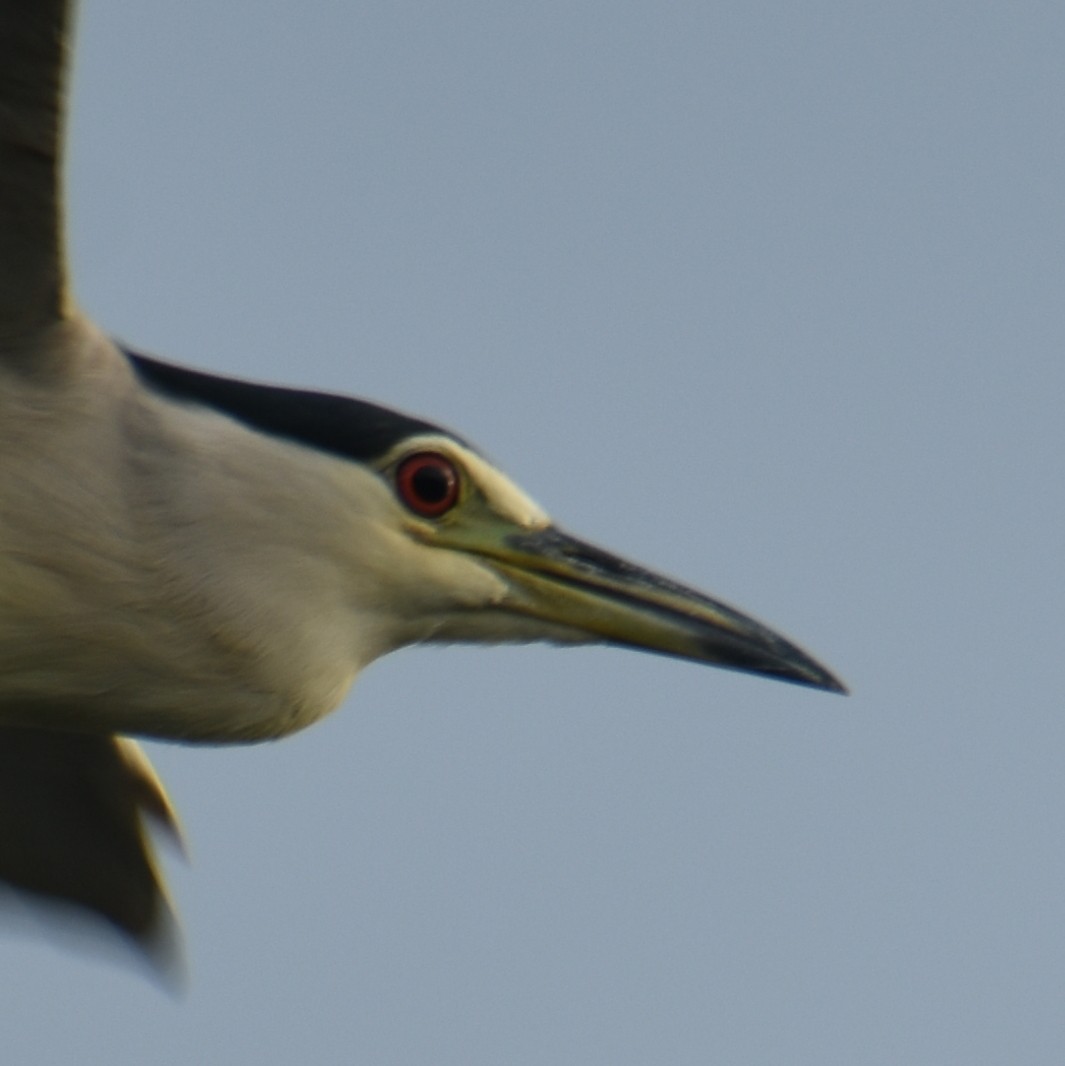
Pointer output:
x,y
35,42
72,829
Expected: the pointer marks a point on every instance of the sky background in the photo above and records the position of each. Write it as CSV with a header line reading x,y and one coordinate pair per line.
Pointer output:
x,y
766,295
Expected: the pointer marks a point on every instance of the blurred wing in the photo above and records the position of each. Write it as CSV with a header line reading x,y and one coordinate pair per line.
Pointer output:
x,y
35,40
72,807
72,810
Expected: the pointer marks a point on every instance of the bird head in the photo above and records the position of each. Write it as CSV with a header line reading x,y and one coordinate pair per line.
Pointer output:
x,y
477,560
445,547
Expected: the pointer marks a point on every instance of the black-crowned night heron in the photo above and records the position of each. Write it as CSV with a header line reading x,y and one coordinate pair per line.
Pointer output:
x,y
200,559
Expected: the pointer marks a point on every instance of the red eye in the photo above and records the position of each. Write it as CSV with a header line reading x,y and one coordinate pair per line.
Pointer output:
x,y
428,483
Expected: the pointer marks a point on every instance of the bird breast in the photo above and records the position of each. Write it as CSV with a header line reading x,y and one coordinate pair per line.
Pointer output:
x,y
165,570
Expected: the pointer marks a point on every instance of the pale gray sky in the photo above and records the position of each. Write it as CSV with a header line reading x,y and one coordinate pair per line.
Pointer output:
x,y
766,295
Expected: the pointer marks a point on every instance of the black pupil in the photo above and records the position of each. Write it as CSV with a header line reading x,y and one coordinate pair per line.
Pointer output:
x,y
431,483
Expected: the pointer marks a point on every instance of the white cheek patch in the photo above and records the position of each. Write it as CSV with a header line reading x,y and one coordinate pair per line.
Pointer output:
x,y
504,497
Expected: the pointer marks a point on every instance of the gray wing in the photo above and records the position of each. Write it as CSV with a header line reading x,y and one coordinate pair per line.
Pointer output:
x,y
72,829
35,43
72,806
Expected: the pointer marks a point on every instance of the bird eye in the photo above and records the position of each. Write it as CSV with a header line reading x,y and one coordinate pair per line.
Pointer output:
x,y
428,483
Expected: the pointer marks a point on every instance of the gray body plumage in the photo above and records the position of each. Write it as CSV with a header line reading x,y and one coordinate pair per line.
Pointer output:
x,y
117,604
